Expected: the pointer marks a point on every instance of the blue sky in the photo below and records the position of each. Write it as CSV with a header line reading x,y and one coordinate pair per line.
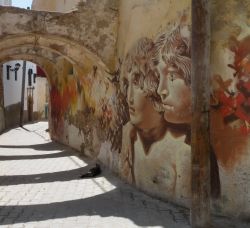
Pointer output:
x,y
22,3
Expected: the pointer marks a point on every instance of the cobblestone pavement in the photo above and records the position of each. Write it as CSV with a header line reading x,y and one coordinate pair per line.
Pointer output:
x,y
40,187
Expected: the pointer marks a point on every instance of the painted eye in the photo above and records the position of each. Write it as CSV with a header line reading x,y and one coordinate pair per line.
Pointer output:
x,y
172,76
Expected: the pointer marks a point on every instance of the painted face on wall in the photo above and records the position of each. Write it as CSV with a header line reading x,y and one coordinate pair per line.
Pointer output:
x,y
175,94
141,108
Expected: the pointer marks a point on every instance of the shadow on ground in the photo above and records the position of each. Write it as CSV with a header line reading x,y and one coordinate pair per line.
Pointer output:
x,y
43,177
50,146
30,157
123,201
104,205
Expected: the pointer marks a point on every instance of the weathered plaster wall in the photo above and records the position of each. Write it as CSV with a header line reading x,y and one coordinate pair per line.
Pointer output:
x,y
83,108
92,29
230,112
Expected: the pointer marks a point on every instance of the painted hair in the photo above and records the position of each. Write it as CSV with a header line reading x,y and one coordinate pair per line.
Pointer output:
x,y
174,49
138,61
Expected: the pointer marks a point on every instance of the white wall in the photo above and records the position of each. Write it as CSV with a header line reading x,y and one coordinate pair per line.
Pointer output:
x,y
13,88
5,2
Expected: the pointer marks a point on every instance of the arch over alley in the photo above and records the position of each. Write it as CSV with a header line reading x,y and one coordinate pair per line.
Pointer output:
x,y
80,40
88,28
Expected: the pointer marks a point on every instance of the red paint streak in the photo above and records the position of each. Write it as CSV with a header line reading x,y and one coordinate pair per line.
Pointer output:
x,y
232,105
61,101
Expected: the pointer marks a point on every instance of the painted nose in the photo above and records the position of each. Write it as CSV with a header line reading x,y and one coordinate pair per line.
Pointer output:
x,y
163,94
162,90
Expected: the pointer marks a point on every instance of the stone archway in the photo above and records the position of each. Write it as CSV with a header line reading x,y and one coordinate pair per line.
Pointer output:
x,y
93,27
61,43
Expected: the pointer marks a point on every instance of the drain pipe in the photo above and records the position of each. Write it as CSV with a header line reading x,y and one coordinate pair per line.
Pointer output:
x,y
22,94
200,140
2,109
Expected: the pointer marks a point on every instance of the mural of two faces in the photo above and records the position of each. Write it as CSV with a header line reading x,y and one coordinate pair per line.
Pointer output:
x,y
143,109
156,153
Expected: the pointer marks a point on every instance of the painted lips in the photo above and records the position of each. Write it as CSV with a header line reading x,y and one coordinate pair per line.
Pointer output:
x,y
168,107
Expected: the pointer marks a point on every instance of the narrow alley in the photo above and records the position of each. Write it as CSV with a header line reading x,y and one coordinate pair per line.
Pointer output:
x,y
40,187
155,91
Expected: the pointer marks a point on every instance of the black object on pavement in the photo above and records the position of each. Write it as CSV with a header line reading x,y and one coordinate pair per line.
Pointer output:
x,y
92,172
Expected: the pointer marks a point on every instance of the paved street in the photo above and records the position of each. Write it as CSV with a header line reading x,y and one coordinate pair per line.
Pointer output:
x,y
40,187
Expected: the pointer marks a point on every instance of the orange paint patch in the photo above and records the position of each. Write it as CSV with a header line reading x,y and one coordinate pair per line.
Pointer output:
x,y
228,142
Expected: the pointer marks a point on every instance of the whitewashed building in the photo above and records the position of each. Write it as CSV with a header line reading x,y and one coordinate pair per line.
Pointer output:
x,y
5,2
35,88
